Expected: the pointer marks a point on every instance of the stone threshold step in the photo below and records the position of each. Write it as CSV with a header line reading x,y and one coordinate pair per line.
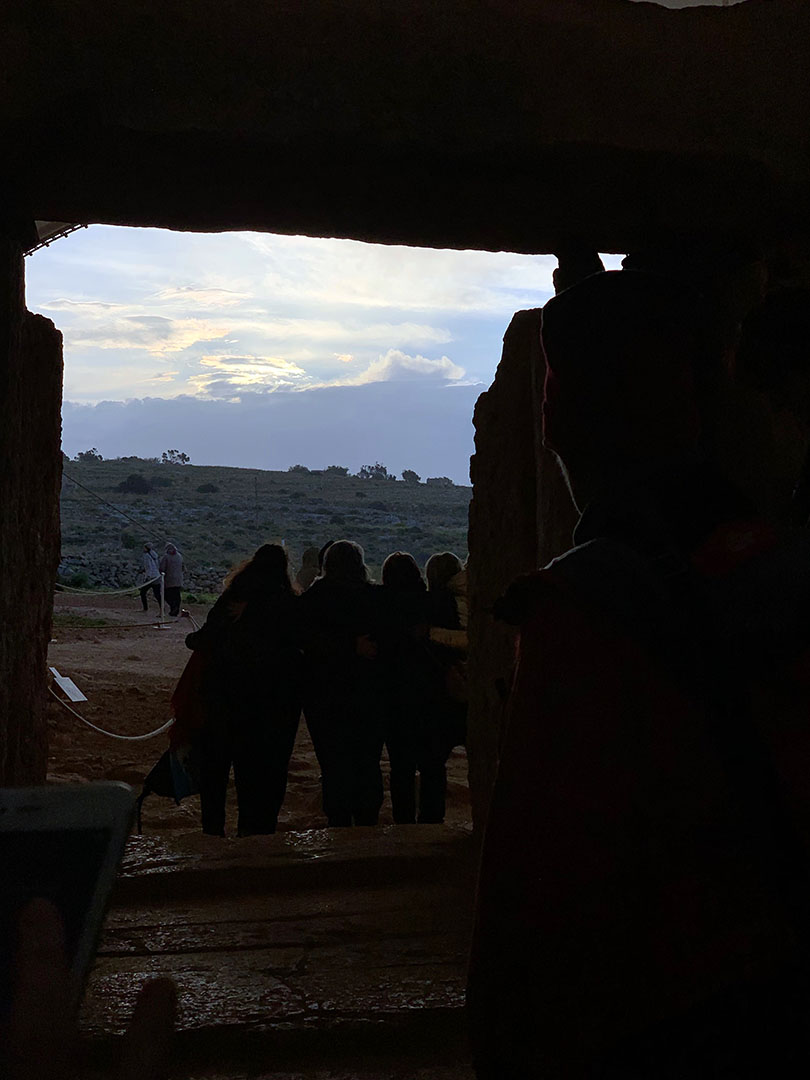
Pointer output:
x,y
421,1039
189,867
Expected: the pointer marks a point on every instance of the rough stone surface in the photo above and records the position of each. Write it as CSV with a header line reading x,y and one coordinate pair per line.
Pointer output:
x,y
521,516
30,472
514,127
322,953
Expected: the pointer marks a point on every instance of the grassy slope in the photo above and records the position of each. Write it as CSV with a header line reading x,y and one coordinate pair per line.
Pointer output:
x,y
251,507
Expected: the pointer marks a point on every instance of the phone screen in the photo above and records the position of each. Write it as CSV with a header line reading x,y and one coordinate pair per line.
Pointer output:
x,y
62,866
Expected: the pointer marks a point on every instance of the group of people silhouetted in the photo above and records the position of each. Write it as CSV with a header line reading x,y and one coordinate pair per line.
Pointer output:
x,y
370,666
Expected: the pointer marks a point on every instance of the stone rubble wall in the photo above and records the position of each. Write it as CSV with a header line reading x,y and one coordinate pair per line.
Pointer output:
x,y
30,475
114,573
521,515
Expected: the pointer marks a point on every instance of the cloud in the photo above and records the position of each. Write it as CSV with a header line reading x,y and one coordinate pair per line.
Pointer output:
x,y
353,274
80,306
204,297
228,376
154,333
397,366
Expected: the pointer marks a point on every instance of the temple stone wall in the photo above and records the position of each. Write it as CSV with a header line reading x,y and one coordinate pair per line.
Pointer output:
x,y
521,515
30,475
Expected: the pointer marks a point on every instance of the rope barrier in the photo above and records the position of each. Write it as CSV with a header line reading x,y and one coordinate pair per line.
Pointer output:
x,y
112,734
108,592
151,625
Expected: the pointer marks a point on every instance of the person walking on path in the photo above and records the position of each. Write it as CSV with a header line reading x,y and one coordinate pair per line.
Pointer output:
x,y
150,571
172,566
251,683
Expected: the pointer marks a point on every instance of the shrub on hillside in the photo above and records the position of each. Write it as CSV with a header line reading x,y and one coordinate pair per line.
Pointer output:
x,y
336,470
377,471
89,456
135,484
439,481
161,481
174,457
298,469
207,489
410,477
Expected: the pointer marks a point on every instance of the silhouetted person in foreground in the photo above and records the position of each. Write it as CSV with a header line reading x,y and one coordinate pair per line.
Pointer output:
x,y
644,897
447,644
252,686
343,696
412,683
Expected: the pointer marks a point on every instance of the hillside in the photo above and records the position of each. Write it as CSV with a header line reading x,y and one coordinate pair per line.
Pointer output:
x,y
217,529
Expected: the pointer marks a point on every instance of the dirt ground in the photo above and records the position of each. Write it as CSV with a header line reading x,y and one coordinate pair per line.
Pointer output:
x,y
128,671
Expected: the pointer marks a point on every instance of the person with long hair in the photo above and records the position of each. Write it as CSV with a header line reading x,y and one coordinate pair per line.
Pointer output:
x,y
412,684
342,687
447,646
252,688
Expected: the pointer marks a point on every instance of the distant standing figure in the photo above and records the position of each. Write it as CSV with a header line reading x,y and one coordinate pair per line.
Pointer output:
x,y
172,566
310,569
252,685
150,570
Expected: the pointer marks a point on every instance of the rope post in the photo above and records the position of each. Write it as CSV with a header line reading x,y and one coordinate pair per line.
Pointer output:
x,y
162,597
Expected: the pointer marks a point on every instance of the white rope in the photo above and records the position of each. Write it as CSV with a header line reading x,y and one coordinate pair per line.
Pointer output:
x,y
112,734
108,592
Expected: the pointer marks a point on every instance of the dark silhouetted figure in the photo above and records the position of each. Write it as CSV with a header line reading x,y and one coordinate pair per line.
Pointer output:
x,y
445,724
774,356
413,683
252,687
343,690
171,565
644,894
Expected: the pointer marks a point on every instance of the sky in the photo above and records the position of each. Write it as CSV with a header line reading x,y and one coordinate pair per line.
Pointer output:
x,y
266,351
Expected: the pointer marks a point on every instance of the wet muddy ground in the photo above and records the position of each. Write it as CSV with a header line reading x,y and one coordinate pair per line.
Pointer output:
x,y
314,953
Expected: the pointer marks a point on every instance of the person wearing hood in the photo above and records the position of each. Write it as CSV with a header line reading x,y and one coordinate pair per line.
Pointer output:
x,y
171,564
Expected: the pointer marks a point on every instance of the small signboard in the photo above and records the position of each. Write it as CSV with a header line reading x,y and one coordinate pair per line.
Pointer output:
x,y
68,686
